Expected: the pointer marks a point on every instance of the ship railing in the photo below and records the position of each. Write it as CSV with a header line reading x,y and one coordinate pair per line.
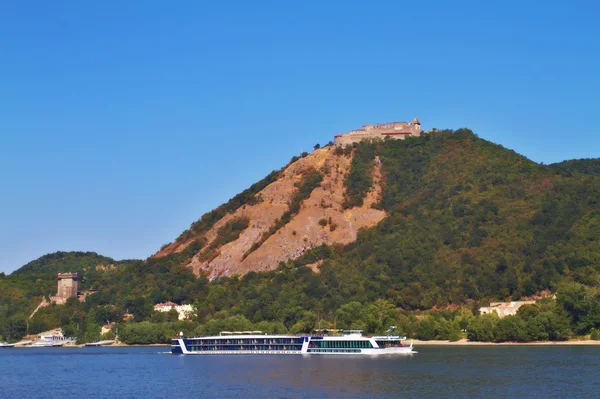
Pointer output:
x,y
390,337
335,332
242,333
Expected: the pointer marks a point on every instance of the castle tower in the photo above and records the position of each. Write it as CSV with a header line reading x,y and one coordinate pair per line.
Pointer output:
x,y
417,124
68,284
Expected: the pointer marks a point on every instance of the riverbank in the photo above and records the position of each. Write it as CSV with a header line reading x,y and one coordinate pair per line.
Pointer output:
x,y
416,343
18,345
465,342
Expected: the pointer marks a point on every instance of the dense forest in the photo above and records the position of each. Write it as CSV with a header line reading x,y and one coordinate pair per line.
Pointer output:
x,y
468,221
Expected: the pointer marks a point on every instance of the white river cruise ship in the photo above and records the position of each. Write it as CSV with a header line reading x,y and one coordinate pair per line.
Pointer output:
x,y
350,342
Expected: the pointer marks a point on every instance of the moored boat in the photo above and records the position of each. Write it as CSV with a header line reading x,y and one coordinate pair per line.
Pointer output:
x,y
6,345
101,343
350,342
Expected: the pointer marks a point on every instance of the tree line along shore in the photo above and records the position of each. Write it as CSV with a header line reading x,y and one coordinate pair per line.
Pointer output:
x,y
561,320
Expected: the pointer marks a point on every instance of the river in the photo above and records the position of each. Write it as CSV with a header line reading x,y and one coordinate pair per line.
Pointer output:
x,y
435,371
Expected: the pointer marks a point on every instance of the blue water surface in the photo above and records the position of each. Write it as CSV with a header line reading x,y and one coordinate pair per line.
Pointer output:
x,y
444,372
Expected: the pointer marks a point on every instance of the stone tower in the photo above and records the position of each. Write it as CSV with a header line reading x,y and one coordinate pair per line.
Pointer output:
x,y
68,284
417,124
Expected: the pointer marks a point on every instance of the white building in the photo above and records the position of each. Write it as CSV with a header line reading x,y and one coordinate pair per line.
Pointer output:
x,y
184,311
504,308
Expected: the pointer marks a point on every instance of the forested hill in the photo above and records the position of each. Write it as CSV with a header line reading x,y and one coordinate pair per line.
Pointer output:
x,y
432,222
463,218
60,262
589,166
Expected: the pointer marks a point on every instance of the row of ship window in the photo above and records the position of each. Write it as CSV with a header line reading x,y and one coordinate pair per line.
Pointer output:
x,y
213,348
334,350
286,341
340,344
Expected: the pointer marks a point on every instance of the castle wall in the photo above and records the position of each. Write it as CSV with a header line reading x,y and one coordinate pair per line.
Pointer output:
x,y
349,139
400,131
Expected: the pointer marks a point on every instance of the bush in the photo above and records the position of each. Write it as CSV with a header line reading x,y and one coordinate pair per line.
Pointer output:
x,y
360,179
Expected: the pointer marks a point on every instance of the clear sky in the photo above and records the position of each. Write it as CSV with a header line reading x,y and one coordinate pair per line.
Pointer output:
x,y
121,122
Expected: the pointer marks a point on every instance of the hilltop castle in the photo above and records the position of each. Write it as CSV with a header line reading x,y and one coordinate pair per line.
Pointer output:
x,y
68,287
395,130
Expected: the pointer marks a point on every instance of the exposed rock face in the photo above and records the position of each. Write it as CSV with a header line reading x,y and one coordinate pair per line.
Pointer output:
x,y
303,231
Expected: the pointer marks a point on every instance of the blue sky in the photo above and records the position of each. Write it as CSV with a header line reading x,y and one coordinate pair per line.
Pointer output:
x,y
123,122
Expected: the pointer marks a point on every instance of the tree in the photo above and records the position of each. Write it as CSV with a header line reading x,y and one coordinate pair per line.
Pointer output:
x,y
92,329
482,328
17,328
141,308
317,146
306,324
454,333
556,326
528,312
510,328
581,304
349,315
536,330
38,325
69,330
426,330
380,316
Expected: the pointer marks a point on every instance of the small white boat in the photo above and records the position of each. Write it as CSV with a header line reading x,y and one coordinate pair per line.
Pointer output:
x,y
101,343
6,345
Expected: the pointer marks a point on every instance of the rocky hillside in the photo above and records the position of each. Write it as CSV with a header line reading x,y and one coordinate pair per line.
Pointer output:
x,y
446,217
269,235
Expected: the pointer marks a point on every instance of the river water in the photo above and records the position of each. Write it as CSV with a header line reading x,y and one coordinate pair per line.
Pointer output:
x,y
435,371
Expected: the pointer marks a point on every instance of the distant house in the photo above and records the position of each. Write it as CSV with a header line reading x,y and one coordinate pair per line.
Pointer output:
x,y
107,328
184,311
504,308
127,316
165,306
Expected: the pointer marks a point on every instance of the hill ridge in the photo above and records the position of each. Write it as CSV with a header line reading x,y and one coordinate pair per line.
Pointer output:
x,y
452,170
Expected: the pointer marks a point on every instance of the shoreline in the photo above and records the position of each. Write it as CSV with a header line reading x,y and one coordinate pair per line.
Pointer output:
x,y
120,345
465,342
416,343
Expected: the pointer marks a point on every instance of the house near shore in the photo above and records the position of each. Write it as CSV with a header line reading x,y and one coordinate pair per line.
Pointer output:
x,y
106,328
504,308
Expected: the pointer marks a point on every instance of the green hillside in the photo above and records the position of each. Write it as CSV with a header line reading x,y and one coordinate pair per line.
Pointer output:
x,y
468,222
590,166
22,291
59,262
